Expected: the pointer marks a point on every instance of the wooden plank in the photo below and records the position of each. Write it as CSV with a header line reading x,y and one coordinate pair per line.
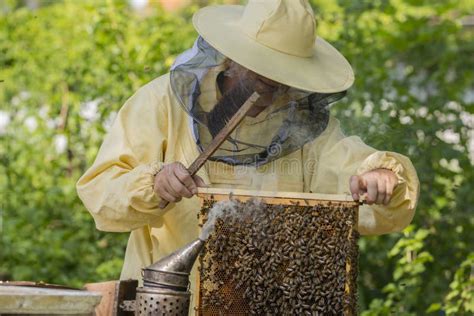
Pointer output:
x,y
107,289
285,198
285,201
46,301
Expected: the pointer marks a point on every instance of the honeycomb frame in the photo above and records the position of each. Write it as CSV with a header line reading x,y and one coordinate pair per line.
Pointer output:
x,y
281,290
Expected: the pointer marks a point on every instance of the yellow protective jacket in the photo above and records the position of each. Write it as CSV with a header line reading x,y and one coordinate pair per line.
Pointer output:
x,y
152,129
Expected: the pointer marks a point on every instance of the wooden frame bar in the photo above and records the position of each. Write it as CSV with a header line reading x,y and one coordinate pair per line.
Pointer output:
x,y
286,198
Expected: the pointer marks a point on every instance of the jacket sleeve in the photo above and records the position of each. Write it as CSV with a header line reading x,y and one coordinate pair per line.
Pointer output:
x,y
337,157
118,188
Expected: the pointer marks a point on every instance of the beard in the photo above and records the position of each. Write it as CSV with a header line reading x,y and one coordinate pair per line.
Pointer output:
x,y
228,105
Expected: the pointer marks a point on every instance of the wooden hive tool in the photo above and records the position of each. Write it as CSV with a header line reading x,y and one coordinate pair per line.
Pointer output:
x,y
220,138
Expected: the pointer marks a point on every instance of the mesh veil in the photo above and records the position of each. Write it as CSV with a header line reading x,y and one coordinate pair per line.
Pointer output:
x,y
294,118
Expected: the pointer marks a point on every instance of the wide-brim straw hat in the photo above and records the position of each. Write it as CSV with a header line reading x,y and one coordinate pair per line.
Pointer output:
x,y
276,39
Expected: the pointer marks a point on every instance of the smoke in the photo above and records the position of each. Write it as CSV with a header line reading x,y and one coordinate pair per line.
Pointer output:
x,y
229,209
218,210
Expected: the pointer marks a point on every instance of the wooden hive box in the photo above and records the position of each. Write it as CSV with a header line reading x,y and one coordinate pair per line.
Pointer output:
x,y
282,253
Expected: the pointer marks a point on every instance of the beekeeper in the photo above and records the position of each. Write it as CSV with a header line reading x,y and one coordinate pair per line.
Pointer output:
x,y
288,141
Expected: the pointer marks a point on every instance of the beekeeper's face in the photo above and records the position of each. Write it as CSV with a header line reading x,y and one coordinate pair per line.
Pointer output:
x,y
246,79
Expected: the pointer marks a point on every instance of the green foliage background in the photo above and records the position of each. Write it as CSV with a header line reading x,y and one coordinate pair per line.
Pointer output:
x,y
414,94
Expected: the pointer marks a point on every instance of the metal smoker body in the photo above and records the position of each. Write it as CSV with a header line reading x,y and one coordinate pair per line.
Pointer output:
x,y
165,289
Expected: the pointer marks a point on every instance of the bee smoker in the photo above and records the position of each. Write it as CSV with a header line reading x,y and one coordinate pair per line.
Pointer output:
x,y
165,289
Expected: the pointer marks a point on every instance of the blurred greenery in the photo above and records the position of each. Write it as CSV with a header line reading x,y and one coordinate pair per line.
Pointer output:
x,y
66,67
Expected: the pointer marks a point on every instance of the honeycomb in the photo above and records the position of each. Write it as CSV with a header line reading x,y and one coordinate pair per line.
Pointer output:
x,y
280,260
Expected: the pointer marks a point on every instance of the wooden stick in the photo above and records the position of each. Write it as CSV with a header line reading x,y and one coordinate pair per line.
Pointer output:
x,y
220,138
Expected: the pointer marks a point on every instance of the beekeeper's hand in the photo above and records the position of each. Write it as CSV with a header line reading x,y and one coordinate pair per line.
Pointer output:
x,y
173,182
377,184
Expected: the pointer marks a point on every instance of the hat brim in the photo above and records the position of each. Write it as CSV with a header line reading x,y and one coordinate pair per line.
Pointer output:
x,y
327,71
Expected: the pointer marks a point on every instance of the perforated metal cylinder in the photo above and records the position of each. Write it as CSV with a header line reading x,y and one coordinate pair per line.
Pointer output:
x,y
156,301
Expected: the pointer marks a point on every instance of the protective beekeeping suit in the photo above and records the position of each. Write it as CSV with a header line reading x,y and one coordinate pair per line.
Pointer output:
x,y
289,143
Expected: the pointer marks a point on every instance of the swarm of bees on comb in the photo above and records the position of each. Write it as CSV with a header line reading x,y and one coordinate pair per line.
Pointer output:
x,y
279,259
